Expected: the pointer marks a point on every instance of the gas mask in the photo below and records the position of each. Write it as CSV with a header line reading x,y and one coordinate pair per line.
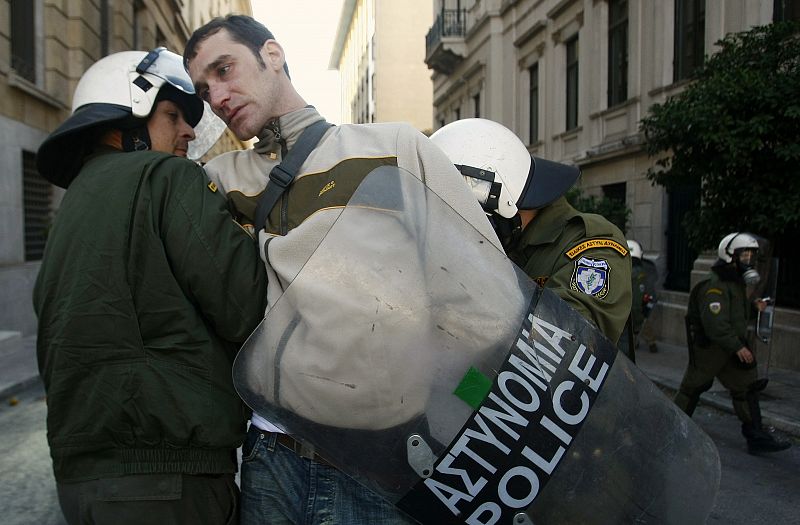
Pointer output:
x,y
745,264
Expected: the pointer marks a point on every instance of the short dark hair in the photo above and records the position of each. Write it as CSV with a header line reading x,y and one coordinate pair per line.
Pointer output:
x,y
242,29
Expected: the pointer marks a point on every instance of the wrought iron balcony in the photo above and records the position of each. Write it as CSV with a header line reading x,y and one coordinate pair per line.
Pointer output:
x,y
445,46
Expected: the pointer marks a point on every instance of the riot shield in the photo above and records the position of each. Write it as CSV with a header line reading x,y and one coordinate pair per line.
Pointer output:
x,y
765,319
416,358
207,133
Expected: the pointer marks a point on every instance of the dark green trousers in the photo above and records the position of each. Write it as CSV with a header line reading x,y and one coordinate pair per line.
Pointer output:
x,y
142,499
707,364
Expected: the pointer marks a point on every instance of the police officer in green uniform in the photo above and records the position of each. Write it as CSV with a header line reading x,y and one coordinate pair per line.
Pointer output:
x,y
580,256
717,335
643,285
146,290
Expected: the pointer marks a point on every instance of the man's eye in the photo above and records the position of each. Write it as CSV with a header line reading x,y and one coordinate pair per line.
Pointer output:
x,y
223,70
173,116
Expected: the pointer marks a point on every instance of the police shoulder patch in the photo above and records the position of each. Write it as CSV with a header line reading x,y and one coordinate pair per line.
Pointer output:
x,y
591,276
596,243
715,307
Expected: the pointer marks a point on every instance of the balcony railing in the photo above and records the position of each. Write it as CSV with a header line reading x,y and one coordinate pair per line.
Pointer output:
x,y
449,23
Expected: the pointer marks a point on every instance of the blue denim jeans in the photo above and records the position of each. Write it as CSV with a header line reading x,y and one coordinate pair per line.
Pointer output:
x,y
280,487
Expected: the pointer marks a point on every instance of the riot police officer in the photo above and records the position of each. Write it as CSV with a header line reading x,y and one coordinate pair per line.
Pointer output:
x,y
716,331
582,257
643,283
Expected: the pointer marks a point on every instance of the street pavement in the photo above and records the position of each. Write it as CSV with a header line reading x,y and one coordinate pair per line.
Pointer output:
x,y
780,401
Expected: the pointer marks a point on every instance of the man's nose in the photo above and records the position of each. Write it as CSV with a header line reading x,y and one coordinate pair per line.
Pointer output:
x,y
217,98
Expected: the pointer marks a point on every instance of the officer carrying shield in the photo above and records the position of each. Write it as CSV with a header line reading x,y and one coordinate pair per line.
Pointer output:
x,y
716,331
582,257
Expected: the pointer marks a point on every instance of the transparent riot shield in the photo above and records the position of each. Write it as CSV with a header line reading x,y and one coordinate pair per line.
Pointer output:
x,y
414,356
207,133
765,319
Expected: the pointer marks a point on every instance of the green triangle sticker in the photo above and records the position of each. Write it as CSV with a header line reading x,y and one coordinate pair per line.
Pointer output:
x,y
473,388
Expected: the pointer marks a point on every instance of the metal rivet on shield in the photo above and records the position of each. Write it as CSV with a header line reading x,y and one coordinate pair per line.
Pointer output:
x,y
420,455
522,519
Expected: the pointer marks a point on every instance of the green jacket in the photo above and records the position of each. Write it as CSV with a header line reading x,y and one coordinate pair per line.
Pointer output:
x,y
719,311
146,289
581,257
643,282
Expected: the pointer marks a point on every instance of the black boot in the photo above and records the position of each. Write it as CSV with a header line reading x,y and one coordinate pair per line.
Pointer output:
x,y
759,441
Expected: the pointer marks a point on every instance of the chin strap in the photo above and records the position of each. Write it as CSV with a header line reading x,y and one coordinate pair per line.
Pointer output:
x,y
508,230
135,139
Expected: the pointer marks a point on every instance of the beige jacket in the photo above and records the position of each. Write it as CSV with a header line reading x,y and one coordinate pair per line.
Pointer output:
x,y
318,379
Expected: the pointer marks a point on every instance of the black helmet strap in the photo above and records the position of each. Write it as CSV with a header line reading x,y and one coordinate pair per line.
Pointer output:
x,y
136,138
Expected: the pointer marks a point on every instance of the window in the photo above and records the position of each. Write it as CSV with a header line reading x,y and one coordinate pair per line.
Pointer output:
x,y
615,192
533,104
572,83
37,196
617,52
23,50
786,10
690,34
476,104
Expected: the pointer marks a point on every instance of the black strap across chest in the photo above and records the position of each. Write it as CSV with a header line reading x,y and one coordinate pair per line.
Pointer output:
x,y
283,174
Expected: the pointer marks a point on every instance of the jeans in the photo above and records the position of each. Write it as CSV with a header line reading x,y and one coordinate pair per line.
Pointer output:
x,y
280,487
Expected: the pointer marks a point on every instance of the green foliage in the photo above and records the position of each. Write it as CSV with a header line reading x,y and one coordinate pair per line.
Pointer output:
x,y
735,132
614,210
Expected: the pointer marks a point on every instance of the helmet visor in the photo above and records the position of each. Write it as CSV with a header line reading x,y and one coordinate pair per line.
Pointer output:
x,y
747,256
167,66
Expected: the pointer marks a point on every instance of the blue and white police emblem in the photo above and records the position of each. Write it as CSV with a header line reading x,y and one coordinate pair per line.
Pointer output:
x,y
591,277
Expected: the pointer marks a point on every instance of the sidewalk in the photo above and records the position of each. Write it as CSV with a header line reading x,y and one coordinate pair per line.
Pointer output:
x,y
18,369
780,401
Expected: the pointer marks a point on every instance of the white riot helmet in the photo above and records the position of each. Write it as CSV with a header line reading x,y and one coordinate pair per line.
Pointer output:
x,y
498,167
635,248
734,247
123,89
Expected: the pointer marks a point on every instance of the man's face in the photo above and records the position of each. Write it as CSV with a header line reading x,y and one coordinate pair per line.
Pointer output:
x,y
168,130
240,90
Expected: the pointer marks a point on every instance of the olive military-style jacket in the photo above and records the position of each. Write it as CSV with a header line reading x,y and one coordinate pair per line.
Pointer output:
x,y
643,281
146,289
719,311
581,257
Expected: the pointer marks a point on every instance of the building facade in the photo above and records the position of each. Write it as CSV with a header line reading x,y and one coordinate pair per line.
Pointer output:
x,y
379,51
573,78
45,46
